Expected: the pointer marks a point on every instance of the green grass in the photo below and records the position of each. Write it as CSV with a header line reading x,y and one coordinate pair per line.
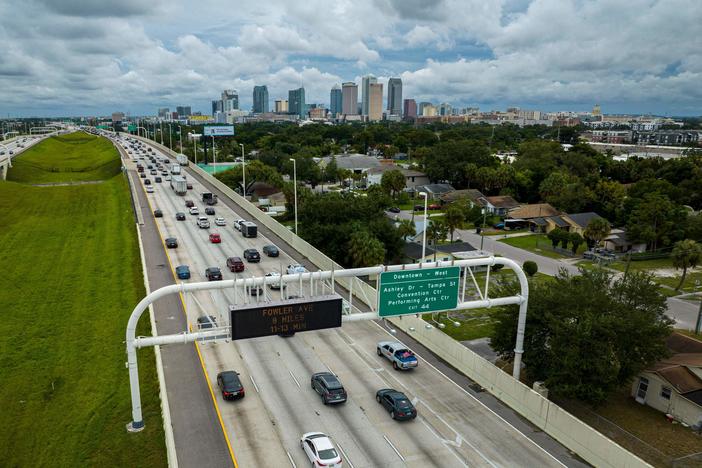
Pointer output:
x,y
71,277
476,323
655,264
538,244
75,157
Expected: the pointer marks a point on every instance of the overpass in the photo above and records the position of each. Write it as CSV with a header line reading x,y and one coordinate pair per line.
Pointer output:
x,y
12,148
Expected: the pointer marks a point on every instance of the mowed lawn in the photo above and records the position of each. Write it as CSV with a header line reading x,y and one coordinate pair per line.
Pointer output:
x,y
76,157
71,274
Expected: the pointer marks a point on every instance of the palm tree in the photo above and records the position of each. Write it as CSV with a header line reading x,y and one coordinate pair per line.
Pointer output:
x,y
436,231
686,254
365,249
406,229
596,230
454,218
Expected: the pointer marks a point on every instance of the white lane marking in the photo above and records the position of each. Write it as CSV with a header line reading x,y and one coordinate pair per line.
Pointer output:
x,y
346,457
478,401
393,447
330,369
291,460
456,444
254,383
293,377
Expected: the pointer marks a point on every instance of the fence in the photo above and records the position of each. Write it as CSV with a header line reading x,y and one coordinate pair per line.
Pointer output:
x,y
577,436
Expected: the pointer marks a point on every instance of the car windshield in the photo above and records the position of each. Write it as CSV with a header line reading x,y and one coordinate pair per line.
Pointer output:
x,y
328,454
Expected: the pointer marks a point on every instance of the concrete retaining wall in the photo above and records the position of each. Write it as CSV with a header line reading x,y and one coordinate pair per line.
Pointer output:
x,y
577,436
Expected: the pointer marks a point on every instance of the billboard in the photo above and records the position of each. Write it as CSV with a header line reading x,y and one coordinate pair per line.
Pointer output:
x,y
290,316
218,130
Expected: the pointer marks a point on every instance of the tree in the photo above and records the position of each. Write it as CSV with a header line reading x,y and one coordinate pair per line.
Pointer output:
x,y
576,241
587,335
454,218
436,231
406,229
596,230
555,236
686,254
656,221
331,170
393,181
530,268
365,250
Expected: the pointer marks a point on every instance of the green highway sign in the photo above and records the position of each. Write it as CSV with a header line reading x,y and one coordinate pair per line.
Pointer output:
x,y
418,291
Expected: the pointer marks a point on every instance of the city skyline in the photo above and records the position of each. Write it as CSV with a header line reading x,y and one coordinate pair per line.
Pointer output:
x,y
87,58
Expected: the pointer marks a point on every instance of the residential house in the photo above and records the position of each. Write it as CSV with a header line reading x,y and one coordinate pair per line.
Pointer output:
x,y
412,178
532,215
617,241
674,385
356,163
412,253
434,191
474,196
501,204
578,221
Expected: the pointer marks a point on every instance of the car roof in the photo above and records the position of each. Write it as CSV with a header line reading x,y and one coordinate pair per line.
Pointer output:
x,y
180,267
394,344
234,259
330,380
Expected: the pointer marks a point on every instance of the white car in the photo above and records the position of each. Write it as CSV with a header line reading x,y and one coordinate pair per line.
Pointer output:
x,y
194,210
203,222
276,285
168,177
219,221
320,450
294,268
237,224
149,189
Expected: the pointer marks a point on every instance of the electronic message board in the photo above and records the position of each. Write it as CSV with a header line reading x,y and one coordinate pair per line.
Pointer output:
x,y
283,317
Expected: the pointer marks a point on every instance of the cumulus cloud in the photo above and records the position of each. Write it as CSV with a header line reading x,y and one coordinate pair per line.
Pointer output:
x,y
80,56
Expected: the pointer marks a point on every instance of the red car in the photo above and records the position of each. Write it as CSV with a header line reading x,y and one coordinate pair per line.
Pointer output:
x,y
215,238
434,206
235,264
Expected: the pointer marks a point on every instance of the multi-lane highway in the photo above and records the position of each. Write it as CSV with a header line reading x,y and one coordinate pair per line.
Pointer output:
x,y
264,428
15,146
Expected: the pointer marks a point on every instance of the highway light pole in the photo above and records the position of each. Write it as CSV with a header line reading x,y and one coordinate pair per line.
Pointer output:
x,y
194,147
243,168
160,129
170,137
214,156
426,225
295,188
180,138
482,234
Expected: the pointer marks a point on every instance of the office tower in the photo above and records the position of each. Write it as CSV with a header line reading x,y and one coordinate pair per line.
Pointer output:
x,y
230,100
395,96
183,111
163,112
375,102
349,99
444,109
216,106
422,105
281,106
260,99
365,100
296,102
117,117
409,110
335,100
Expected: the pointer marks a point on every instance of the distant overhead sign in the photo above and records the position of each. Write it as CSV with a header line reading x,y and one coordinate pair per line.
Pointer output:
x,y
218,130
290,316
418,291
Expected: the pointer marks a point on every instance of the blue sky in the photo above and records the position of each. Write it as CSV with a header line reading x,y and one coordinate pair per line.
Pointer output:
x,y
81,57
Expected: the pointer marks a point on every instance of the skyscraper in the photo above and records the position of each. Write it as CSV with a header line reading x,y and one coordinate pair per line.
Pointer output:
x,y
367,81
395,96
260,99
216,107
183,111
230,100
296,102
335,100
422,106
164,113
375,102
349,98
281,106
410,109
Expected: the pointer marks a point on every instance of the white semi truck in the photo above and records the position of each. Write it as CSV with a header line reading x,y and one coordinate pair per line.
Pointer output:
x,y
179,185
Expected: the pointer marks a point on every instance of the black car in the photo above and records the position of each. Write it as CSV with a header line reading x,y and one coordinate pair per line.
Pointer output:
x,y
271,250
255,290
252,255
158,213
230,385
180,216
394,209
171,242
147,181
209,211
206,321
142,175
213,274
328,387
396,403
157,180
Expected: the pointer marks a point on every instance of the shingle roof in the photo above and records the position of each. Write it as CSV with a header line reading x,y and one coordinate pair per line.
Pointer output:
x,y
353,161
413,250
537,210
455,247
583,219
503,201
471,194
435,188
559,221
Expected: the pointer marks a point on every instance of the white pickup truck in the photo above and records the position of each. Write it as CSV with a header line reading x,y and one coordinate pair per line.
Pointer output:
x,y
400,356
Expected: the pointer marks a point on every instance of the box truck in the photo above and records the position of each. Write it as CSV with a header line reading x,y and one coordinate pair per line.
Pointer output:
x,y
209,198
178,184
182,159
175,169
249,229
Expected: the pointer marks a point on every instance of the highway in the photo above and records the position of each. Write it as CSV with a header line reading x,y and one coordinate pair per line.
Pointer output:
x,y
453,428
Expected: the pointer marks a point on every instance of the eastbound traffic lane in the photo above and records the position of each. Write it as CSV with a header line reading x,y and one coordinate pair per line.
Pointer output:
x,y
199,439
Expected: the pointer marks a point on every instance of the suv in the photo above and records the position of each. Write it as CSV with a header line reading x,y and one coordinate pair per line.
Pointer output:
x,y
189,203
235,264
210,211
194,210
171,242
252,255
213,274
230,385
396,403
328,387
202,222
180,216
271,250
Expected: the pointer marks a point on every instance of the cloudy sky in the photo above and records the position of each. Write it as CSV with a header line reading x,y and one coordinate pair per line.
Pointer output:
x,y
87,57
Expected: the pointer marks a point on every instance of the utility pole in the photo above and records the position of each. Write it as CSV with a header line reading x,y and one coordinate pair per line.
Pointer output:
x,y
482,234
698,325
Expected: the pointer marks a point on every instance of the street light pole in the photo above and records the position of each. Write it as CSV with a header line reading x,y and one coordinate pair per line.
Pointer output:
x,y
170,137
243,168
180,138
295,187
482,234
214,156
160,129
426,225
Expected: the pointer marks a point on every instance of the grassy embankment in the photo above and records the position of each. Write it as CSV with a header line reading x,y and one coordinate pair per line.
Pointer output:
x,y
71,276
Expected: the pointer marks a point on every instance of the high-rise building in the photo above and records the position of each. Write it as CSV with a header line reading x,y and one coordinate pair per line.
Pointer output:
x,y
375,102
335,100
422,106
349,99
216,106
164,113
597,110
183,111
281,106
117,117
365,100
409,110
444,108
260,99
395,96
296,102
230,100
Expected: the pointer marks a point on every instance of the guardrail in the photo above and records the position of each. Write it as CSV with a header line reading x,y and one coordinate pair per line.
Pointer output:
x,y
574,434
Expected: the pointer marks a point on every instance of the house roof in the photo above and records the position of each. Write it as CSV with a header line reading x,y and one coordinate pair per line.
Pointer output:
x,y
503,201
679,343
559,221
382,168
353,161
412,173
675,369
435,189
413,250
681,378
537,210
471,194
455,247
583,219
